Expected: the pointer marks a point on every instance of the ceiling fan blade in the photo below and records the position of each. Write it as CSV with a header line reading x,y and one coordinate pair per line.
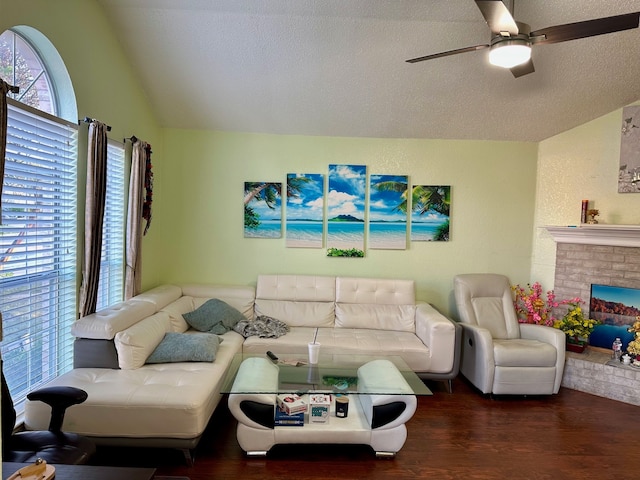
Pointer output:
x,y
589,28
448,53
498,16
523,69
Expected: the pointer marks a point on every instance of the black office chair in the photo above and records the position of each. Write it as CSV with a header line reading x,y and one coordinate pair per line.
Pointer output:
x,y
53,445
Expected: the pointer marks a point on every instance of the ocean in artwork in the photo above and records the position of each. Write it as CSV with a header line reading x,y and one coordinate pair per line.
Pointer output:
x,y
304,234
388,235
266,229
423,232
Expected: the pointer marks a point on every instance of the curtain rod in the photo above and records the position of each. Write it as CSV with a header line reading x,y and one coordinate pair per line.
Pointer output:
x,y
89,120
133,139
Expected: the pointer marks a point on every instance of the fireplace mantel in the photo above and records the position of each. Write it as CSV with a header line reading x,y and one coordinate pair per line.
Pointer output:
x,y
613,235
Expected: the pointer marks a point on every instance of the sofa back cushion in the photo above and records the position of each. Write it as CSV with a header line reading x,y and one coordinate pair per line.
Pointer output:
x,y
378,304
297,300
137,342
104,324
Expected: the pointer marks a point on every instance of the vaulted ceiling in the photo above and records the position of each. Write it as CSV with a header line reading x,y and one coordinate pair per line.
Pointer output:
x,y
337,67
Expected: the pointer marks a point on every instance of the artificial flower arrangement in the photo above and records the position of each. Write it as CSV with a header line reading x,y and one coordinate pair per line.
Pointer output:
x,y
633,348
533,306
575,325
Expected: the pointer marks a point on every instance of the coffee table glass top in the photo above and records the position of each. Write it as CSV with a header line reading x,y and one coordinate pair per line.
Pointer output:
x,y
332,374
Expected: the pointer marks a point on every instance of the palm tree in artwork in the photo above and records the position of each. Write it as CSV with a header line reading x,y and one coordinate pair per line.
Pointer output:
x,y
423,199
260,192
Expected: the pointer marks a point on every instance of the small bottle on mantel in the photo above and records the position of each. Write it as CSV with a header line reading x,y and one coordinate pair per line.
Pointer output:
x,y
617,349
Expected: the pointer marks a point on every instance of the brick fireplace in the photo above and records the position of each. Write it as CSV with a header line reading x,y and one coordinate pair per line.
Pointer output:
x,y
608,255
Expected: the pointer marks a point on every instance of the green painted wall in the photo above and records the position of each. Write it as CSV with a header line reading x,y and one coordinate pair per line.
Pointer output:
x,y
581,163
197,234
105,86
492,211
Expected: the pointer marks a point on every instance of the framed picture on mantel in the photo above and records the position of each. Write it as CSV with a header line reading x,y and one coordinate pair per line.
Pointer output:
x,y
629,172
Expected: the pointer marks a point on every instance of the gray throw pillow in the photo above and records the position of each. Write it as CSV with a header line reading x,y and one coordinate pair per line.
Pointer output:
x,y
185,347
214,316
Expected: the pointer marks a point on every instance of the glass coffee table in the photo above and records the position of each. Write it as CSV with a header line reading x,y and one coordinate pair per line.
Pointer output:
x,y
381,391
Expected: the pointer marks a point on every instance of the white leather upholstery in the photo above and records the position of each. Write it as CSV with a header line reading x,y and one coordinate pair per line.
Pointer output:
x,y
297,300
500,355
172,400
136,343
375,303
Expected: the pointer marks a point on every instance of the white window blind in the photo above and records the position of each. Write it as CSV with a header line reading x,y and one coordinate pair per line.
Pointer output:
x,y
38,248
111,283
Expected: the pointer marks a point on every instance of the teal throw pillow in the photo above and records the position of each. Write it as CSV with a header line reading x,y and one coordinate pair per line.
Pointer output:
x,y
185,347
214,316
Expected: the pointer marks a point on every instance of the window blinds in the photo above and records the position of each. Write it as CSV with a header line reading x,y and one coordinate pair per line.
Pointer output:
x,y
38,254
111,283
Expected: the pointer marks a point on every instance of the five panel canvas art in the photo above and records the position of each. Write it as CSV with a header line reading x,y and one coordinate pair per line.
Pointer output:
x,y
342,216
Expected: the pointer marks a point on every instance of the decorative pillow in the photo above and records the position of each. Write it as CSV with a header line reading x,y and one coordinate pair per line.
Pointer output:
x,y
214,316
185,347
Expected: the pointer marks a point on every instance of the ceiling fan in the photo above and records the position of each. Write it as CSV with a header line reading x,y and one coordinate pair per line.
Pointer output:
x,y
511,41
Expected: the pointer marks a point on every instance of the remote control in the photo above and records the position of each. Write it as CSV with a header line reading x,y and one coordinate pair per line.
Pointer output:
x,y
272,356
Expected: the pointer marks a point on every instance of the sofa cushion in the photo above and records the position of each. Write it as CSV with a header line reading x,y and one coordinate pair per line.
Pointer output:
x,y
185,347
104,325
136,343
375,303
297,300
214,316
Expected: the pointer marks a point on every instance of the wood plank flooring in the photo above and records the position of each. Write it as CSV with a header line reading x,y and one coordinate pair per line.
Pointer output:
x,y
464,435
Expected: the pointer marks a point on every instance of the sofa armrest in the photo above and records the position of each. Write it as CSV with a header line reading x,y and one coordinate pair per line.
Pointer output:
x,y
247,401
439,334
478,363
552,336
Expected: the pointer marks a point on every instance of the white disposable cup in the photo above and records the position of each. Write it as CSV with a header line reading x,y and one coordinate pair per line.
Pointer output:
x,y
314,351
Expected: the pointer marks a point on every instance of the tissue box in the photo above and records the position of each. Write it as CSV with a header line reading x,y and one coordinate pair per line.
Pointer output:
x,y
319,405
290,403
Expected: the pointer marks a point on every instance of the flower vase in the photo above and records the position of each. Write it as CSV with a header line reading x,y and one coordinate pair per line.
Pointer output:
x,y
576,345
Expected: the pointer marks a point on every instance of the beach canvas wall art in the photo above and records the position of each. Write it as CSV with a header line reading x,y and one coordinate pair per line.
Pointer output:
x,y
629,172
262,210
388,212
305,210
346,210
430,210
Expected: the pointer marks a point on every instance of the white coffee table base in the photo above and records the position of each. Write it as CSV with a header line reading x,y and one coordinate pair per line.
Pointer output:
x,y
374,420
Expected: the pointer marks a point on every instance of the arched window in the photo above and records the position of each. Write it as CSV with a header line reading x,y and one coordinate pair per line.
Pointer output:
x,y
38,235
21,66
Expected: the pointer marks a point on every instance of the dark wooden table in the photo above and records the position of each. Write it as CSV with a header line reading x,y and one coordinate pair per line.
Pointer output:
x,y
85,472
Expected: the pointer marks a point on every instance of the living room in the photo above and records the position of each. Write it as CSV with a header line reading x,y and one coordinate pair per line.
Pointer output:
x,y
504,190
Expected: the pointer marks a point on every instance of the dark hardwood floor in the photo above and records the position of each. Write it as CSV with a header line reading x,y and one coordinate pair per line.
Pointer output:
x,y
464,435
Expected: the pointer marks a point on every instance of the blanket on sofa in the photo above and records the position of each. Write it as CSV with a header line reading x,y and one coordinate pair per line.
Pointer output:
x,y
263,326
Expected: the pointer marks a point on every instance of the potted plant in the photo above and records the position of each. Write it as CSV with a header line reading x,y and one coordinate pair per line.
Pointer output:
x,y
633,348
534,306
576,327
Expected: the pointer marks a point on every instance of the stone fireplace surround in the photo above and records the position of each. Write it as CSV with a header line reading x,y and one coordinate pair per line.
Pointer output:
x,y
608,255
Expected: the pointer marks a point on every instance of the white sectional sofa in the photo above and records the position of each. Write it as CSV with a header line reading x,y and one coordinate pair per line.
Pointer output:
x,y
132,402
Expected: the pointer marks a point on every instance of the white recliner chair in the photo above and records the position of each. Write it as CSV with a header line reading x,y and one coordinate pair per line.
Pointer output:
x,y
500,355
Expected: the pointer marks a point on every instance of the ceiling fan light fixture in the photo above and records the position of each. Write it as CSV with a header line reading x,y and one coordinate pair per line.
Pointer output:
x,y
510,52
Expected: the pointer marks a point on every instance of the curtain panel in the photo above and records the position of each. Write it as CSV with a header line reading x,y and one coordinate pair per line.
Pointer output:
x,y
139,208
94,216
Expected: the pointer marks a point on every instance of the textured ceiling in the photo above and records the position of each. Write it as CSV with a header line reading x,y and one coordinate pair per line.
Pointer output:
x,y
337,67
